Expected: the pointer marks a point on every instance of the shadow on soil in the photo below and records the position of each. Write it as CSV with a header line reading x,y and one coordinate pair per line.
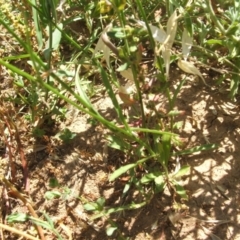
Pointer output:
x,y
213,185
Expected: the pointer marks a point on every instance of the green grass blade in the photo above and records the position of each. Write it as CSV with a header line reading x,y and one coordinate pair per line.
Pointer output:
x,y
112,95
131,206
121,171
125,168
37,25
57,36
82,95
184,170
205,147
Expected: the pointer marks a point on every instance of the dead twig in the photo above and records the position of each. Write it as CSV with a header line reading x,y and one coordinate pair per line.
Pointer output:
x,y
13,131
14,230
23,160
16,194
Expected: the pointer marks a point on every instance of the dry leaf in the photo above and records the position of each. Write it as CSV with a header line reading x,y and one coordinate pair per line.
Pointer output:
x,y
128,74
190,68
186,44
126,94
158,34
167,45
166,54
172,28
101,46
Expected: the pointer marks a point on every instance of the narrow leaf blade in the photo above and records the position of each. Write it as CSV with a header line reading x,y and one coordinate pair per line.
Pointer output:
x,y
180,190
184,170
121,171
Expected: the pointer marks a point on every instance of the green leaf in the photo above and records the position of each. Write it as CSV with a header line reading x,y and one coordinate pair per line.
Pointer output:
x,y
17,217
133,48
197,149
122,67
19,82
37,25
166,144
40,223
234,86
120,34
126,188
117,142
188,23
121,171
148,178
180,190
53,182
90,206
80,90
119,209
184,170
233,30
49,220
48,225
66,135
160,183
108,86
56,38
57,35
120,4
52,194
214,41
125,168
174,113
100,202
178,125
159,180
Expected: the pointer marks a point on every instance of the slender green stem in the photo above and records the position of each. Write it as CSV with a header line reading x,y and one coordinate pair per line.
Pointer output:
x,y
171,107
133,67
152,42
49,54
214,18
158,132
17,70
17,57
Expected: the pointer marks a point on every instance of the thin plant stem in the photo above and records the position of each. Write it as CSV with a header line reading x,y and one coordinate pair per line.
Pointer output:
x,y
214,18
49,54
21,197
152,42
133,68
18,232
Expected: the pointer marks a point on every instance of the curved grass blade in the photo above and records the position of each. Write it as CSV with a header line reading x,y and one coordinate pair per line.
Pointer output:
x,y
205,147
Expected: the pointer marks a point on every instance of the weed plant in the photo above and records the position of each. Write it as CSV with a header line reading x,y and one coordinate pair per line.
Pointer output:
x,y
121,32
